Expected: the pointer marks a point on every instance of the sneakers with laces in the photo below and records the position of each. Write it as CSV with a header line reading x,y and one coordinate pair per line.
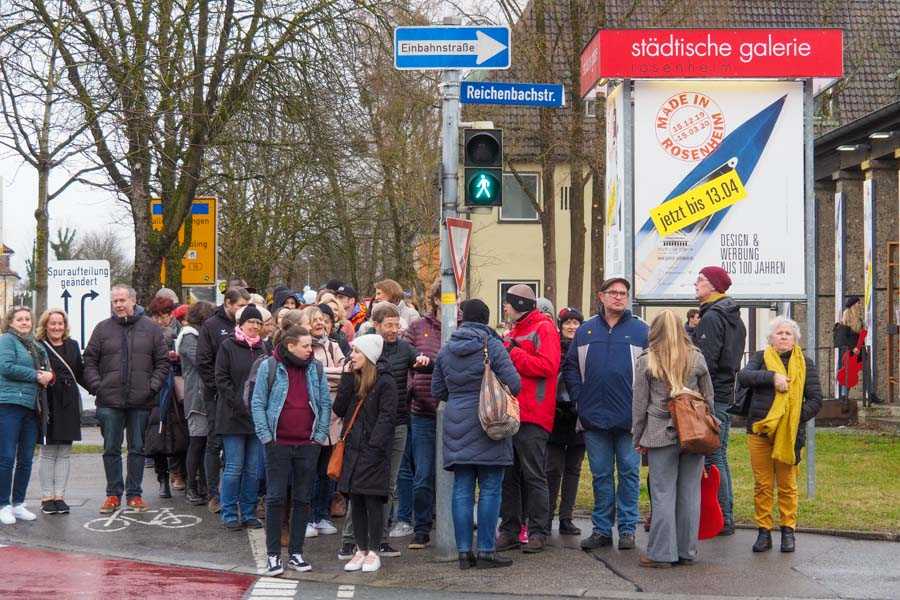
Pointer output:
x,y
273,566
356,562
523,534
6,515
311,530
371,563
347,551
385,549
297,563
62,508
401,529
137,504
48,507
420,541
23,514
325,527
110,505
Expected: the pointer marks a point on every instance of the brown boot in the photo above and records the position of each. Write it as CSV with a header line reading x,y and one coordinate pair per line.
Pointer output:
x,y
536,543
177,482
507,541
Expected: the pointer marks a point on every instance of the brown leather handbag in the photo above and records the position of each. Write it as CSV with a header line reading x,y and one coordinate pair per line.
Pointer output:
x,y
698,430
336,461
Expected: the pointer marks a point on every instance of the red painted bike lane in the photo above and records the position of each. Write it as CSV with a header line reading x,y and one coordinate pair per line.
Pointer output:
x,y
27,573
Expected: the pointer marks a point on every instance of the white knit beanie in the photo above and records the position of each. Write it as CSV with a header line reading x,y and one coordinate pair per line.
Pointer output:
x,y
370,345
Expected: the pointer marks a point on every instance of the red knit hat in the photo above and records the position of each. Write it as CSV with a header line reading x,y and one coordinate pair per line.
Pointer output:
x,y
718,277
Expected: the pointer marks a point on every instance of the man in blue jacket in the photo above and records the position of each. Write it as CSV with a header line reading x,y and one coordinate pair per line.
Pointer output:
x,y
598,372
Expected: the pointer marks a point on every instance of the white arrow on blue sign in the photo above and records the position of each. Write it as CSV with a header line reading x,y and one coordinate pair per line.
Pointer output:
x,y
547,95
445,47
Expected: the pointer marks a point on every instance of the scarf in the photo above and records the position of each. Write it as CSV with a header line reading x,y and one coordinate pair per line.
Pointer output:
x,y
240,336
187,329
27,340
290,360
783,420
714,297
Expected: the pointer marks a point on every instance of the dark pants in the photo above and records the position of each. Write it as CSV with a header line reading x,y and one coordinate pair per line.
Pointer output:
x,y
423,436
368,517
113,424
525,482
563,467
18,435
294,465
213,462
196,473
322,489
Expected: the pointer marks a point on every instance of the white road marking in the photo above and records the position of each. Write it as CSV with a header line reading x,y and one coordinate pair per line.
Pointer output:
x,y
345,592
274,585
273,593
257,539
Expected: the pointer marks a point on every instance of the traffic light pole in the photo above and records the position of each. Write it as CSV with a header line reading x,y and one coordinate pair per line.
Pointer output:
x,y
444,540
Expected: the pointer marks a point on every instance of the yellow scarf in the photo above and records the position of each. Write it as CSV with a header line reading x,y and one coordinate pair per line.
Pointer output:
x,y
713,297
783,420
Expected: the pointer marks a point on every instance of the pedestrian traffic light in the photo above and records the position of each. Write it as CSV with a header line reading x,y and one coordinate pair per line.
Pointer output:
x,y
483,167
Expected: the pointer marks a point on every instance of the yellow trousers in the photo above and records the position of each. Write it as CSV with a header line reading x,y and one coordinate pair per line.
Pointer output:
x,y
768,473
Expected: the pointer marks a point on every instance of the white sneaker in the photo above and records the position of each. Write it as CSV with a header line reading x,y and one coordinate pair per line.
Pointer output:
x,y
23,514
297,563
356,563
372,563
401,529
273,566
311,530
326,527
6,515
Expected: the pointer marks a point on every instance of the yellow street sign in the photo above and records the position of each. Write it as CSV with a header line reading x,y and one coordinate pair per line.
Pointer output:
x,y
199,263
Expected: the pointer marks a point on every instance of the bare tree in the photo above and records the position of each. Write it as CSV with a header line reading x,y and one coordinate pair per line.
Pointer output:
x,y
105,245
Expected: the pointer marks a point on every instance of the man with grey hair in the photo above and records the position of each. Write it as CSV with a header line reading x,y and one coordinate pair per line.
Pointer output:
x,y
125,365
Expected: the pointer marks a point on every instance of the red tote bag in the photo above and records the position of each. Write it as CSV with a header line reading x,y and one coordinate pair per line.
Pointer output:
x,y
711,518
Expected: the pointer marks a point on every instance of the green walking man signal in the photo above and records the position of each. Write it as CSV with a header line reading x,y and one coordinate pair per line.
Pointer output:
x,y
483,167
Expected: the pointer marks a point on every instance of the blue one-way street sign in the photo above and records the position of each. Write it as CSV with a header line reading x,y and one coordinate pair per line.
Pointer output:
x,y
548,95
450,47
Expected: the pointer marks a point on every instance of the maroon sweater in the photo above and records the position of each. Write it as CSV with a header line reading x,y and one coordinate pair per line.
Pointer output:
x,y
295,424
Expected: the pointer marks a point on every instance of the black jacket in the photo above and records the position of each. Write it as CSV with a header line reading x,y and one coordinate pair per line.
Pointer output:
x,y
566,418
400,356
233,363
761,389
64,397
720,336
126,362
367,453
213,332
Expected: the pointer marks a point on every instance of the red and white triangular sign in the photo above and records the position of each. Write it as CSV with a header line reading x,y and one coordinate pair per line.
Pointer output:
x,y
459,233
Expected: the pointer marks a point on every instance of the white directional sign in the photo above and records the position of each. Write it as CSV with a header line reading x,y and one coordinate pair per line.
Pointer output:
x,y
81,288
451,47
459,232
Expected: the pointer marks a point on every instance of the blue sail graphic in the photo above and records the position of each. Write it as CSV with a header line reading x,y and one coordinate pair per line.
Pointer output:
x,y
746,144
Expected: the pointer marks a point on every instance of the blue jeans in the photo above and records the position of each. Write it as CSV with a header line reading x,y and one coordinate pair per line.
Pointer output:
x,y
240,477
113,423
18,435
720,459
405,483
490,484
610,450
423,435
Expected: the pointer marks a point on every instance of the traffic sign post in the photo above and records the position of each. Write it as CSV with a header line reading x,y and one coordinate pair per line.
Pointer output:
x,y
445,47
459,232
81,289
542,95
199,262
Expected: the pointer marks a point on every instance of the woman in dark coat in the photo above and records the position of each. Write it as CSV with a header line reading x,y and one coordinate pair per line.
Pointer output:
x,y
64,409
783,394
369,392
468,451
240,475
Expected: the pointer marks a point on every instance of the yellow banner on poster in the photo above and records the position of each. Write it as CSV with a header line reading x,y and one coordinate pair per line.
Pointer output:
x,y
698,203
199,263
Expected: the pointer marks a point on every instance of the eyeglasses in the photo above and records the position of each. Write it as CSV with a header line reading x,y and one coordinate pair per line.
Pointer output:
x,y
617,294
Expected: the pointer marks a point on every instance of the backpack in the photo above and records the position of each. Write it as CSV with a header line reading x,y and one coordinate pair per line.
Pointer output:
x,y
251,378
498,409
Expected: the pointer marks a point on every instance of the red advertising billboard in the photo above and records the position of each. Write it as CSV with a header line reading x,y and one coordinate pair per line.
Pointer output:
x,y
711,53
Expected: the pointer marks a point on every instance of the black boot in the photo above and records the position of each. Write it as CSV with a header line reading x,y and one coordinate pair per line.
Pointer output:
x,y
567,527
466,560
164,490
492,560
787,539
763,541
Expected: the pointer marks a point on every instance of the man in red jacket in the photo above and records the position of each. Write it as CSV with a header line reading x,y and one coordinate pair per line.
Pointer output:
x,y
534,349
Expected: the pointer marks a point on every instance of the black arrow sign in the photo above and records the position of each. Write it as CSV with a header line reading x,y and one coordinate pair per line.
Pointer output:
x,y
92,294
65,296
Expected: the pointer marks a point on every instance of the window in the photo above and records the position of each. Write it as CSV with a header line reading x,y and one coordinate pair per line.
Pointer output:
x,y
517,204
503,286
564,197
590,109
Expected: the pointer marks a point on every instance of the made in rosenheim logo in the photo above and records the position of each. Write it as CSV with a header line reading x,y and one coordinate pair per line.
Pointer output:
x,y
689,126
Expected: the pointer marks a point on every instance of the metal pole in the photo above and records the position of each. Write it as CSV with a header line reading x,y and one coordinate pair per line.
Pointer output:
x,y
444,539
628,186
811,260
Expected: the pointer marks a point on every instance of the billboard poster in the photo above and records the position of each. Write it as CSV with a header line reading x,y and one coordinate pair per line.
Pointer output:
x,y
838,267
718,180
869,264
614,250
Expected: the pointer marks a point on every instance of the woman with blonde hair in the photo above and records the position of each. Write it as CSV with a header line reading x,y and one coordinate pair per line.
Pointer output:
x,y
850,333
64,409
670,366
341,324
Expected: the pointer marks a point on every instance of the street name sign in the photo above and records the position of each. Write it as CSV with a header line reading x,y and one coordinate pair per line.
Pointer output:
x,y
199,262
546,95
81,288
445,47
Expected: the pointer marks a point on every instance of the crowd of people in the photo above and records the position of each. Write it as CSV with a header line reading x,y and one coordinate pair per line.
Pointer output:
x,y
285,415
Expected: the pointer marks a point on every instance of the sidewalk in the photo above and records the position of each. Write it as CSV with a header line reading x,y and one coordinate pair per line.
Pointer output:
x,y
176,533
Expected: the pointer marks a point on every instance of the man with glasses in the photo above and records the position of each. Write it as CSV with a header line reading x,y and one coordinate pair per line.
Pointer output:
x,y
598,375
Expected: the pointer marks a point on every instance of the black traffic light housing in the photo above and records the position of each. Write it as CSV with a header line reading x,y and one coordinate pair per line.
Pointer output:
x,y
483,167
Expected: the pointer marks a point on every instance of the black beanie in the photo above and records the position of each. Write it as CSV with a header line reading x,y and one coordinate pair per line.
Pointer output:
x,y
332,284
475,311
327,310
851,301
250,312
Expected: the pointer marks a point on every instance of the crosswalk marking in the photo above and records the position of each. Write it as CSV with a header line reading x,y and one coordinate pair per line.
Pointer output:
x,y
346,592
273,592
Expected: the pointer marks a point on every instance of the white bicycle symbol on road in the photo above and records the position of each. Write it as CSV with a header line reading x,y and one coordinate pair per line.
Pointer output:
x,y
122,519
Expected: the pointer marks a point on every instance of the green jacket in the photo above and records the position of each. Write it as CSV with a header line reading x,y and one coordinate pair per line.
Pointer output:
x,y
18,377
